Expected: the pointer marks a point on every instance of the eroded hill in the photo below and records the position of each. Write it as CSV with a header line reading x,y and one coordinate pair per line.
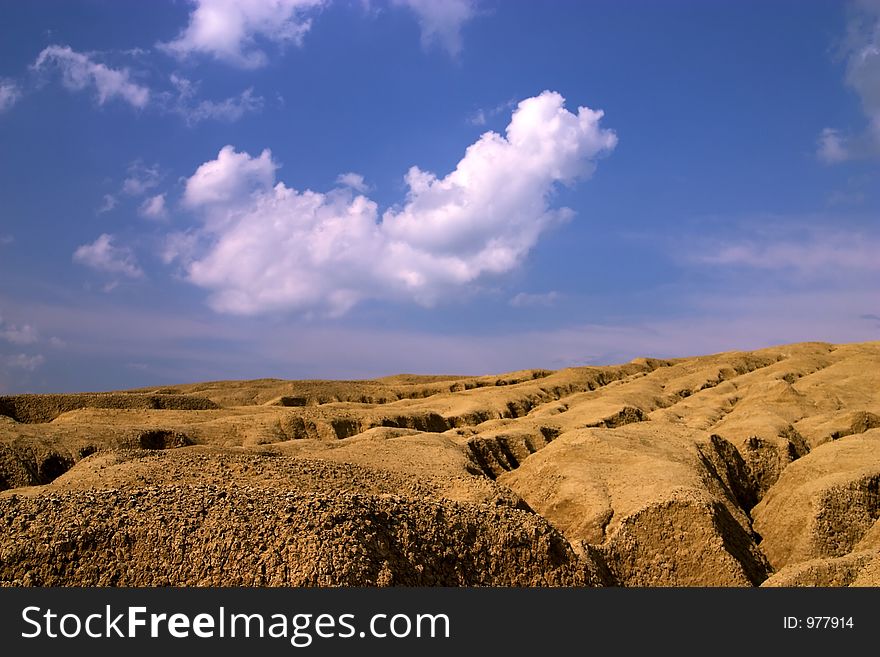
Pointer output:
x,y
735,469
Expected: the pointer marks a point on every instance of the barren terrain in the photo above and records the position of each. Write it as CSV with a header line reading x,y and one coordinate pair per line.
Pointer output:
x,y
737,469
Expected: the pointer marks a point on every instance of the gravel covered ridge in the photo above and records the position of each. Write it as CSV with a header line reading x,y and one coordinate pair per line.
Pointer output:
x,y
196,535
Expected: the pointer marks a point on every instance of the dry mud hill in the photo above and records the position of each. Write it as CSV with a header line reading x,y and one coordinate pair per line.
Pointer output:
x,y
735,469
216,536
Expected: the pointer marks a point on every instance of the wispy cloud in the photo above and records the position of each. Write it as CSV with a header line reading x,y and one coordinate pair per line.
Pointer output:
x,y
832,147
862,50
80,72
183,346
528,300
843,198
153,207
483,115
25,362
102,255
441,22
10,93
108,203
6,240
817,252
20,335
186,104
478,118
141,178
23,334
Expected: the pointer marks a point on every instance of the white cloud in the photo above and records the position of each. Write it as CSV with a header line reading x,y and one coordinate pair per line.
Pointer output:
x,y
153,207
832,147
235,31
353,180
194,111
482,116
108,203
24,334
441,22
102,255
25,362
478,118
819,253
140,178
229,110
528,300
9,94
863,66
229,178
228,30
21,335
182,246
270,247
6,240
79,71
862,48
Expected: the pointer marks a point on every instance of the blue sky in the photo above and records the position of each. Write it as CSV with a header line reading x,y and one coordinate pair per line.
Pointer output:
x,y
209,189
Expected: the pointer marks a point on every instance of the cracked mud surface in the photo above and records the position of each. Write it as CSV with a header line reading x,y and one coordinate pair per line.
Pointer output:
x,y
735,469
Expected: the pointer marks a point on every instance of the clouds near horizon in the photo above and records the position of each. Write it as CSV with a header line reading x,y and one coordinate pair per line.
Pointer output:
x,y
23,334
314,188
820,254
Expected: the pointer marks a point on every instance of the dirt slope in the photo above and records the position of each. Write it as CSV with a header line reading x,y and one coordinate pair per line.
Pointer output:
x,y
735,469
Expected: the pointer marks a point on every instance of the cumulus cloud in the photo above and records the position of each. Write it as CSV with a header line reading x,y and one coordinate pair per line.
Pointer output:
x,y
266,246
102,255
193,111
153,207
230,30
230,178
353,180
79,72
862,48
9,94
441,22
